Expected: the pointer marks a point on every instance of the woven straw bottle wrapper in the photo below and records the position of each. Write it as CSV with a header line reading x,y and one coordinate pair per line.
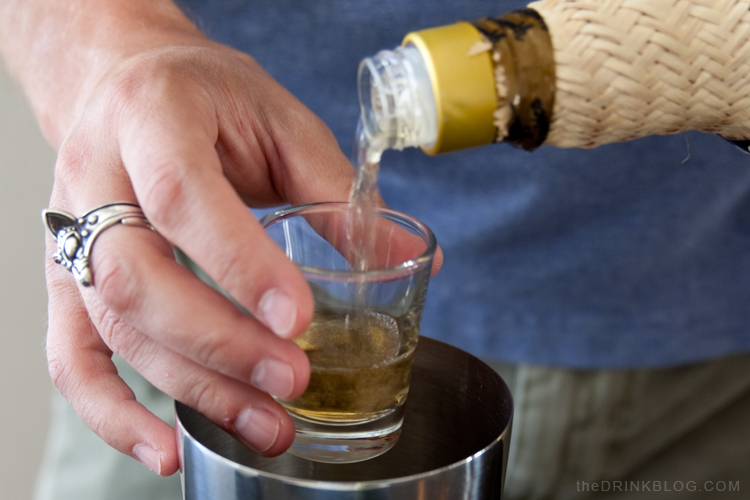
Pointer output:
x,y
632,68
571,73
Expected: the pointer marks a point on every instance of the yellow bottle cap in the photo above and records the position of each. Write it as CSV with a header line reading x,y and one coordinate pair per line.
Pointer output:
x,y
463,86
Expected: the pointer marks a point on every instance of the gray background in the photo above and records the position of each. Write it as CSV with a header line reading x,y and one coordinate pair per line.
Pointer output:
x,y
26,173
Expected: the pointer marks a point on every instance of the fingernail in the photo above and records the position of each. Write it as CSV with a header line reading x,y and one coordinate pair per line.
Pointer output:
x,y
274,377
148,456
278,311
259,427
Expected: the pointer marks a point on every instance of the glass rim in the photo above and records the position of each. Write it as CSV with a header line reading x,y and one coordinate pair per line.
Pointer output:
x,y
394,272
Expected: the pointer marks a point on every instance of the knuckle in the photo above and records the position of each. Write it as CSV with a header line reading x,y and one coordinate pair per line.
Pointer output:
x,y
230,271
71,161
61,371
203,395
58,367
163,192
214,350
116,334
94,416
128,87
115,282
133,84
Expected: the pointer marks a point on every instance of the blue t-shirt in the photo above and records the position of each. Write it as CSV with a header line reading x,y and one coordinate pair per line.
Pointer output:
x,y
632,254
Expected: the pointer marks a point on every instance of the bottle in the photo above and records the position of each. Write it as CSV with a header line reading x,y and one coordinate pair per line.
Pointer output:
x,y
566,74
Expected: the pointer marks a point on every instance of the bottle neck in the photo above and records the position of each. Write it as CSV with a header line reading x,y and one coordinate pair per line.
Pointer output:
x,y
396,100
436,91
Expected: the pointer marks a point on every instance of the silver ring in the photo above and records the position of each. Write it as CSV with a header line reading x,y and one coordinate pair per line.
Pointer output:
x,y
76,236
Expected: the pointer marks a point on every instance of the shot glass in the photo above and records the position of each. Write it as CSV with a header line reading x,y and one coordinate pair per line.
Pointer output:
x,y
365,328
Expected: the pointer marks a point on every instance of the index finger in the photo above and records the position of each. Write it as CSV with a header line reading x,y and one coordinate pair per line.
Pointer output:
x,y
177,176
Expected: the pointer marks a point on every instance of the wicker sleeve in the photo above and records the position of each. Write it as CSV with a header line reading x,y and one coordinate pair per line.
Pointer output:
x,y
631,68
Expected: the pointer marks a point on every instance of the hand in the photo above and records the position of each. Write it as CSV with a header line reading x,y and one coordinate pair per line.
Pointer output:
x,y
193,132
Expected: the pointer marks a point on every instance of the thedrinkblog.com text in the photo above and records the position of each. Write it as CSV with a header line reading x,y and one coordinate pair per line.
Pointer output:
x,y
665,486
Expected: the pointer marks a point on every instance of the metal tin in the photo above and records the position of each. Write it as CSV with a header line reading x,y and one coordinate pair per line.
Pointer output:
x,y
454,446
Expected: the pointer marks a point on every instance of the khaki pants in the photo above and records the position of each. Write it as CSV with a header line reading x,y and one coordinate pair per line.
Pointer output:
x,y
678,433
666,434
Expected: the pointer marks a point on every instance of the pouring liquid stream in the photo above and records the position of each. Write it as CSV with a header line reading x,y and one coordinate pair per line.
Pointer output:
x,y
364,197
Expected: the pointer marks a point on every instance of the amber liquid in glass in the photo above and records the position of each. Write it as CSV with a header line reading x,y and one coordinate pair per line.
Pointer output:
x,y
360,367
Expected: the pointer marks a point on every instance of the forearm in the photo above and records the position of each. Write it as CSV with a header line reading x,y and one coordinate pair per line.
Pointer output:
x,y
59,50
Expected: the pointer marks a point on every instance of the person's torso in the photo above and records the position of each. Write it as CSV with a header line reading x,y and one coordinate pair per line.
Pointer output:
x,y
630,254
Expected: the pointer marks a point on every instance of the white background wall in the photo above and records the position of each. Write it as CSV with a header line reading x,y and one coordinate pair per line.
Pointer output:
x,y
26,173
